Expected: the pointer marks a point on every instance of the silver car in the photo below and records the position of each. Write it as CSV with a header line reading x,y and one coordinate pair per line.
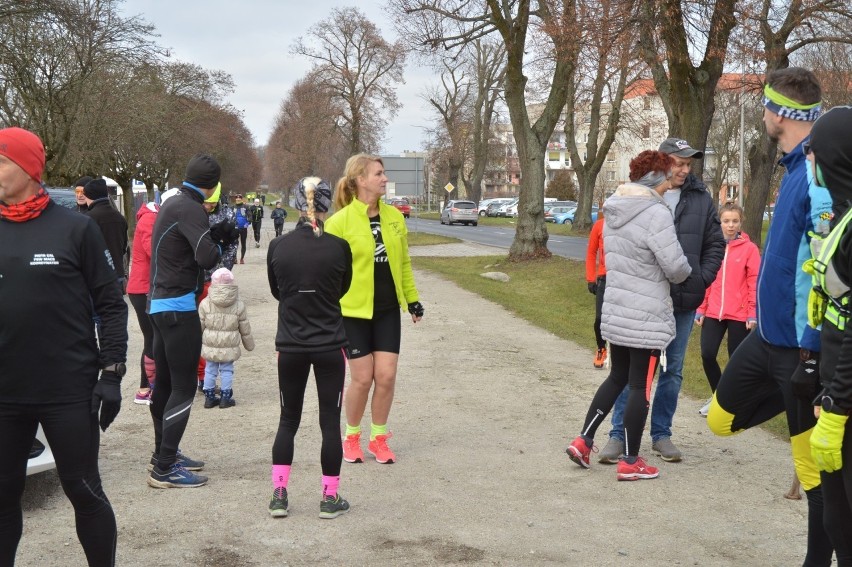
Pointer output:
x,y
460,211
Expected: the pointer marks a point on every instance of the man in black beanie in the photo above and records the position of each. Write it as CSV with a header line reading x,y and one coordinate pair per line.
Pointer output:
x,y
79,185
186,246
112,225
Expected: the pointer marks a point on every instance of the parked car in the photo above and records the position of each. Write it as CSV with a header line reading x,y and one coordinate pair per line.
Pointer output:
x,y
492,209
568,217
460,211
503,210
550,213
41,457
485,204
402,206
64,196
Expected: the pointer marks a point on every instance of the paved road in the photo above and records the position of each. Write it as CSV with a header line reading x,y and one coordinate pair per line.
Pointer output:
x,y
565,246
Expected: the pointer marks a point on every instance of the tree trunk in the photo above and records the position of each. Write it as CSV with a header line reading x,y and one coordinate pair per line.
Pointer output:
x,y
530,233
761,162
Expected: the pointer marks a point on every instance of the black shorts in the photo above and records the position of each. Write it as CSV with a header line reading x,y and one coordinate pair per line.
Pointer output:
x,y
381,333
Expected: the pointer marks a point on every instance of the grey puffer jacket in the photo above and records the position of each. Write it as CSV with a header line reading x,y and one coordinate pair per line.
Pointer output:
x,y
224,324
642,256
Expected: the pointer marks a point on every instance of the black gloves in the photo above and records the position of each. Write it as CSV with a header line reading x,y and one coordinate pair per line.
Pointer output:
x,y
805,379
593,288
416,309
224,232
106,397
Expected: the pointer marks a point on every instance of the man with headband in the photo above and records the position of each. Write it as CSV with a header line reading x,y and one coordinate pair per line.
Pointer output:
x,y
758,382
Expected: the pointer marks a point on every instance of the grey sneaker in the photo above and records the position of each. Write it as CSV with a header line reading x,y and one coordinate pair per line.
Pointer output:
x,y
278,506
332,507
613,450
667,450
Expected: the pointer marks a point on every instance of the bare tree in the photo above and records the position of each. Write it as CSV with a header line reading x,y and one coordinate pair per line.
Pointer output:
x,y
450,24
606,64
360,68
306,138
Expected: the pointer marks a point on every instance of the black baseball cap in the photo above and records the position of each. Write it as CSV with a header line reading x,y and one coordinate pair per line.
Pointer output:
x,y
680,148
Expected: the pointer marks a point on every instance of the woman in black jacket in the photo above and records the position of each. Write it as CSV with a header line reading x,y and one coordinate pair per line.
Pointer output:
x,y
309,271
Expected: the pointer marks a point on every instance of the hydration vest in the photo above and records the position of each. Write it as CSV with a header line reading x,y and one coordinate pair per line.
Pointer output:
x,y
829,297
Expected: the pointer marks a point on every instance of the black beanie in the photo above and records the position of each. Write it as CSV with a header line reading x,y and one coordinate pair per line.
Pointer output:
x,y
95,189
82,181
203,171
832,148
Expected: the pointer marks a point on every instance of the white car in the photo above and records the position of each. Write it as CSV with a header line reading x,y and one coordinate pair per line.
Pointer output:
x,y
41,457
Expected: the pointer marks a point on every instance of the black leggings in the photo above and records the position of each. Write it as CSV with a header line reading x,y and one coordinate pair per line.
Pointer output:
x,y
243,237
177,348
599,296
256,228
712,331
138,301
635,367
329,372
73,435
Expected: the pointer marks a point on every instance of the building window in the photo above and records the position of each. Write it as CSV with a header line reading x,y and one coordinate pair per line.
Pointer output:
x,y
553,156
646,131
647,102
610,176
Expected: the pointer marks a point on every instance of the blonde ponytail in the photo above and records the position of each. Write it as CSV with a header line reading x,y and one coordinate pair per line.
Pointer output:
x,y
347,186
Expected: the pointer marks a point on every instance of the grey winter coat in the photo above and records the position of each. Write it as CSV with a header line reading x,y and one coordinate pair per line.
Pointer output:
x,y
642,256
224,323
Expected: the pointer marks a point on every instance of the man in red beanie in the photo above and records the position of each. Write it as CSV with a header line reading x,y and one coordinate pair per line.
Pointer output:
x,y
57,270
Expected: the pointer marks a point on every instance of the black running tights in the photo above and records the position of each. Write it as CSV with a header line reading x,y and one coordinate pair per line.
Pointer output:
x,y
243,238
138,301
635,367
177,348
712,332
73,435
329,372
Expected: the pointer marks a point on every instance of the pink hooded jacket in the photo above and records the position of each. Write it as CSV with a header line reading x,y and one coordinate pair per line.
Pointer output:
x,y
733,294
140,256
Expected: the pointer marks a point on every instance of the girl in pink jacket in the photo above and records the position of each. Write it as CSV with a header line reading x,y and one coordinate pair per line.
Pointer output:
x,y
730,302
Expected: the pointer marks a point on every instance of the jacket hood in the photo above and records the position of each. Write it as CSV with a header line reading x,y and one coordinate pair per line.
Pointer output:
x,y
832,150
741,239
223,295
629,201
147,209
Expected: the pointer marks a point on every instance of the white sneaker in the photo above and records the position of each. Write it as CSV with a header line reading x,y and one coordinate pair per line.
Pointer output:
x,y
705,409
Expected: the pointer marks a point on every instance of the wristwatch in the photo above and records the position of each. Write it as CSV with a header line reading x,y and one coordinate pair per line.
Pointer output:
x,y
828,405
119,369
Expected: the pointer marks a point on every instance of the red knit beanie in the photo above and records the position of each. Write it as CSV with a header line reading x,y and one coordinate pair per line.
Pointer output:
x,y
25,149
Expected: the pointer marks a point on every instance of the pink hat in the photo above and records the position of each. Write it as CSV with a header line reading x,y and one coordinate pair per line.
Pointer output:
x,y
25,149
222,276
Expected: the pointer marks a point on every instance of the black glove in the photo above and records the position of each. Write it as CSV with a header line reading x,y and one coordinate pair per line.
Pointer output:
x,y
805,379
224,232
593,288
106,397
416,309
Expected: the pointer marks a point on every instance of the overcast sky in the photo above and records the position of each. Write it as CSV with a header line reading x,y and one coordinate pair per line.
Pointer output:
x,y
251,39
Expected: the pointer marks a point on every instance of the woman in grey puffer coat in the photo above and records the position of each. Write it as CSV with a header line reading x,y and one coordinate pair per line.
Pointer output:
x,y
642,256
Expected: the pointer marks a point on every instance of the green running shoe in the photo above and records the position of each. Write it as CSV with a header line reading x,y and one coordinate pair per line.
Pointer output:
x,y
333,506
278,505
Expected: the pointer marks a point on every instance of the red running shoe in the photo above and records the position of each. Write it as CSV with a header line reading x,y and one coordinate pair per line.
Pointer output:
x,y
378,447
352,449
579,452
639,470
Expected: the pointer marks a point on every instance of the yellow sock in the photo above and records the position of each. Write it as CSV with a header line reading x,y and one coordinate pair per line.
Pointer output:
x,y
377,430
353,429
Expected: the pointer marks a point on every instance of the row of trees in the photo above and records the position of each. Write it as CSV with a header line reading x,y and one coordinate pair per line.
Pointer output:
x,y
106,99
341,106
579,56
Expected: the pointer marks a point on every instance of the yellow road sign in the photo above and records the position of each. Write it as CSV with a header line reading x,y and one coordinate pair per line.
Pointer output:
x,y
449,187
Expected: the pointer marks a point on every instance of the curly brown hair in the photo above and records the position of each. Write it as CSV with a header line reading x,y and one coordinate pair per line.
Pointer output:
x,y
647,161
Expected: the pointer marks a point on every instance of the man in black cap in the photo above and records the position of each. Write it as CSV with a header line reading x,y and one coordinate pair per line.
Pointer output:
x,y
185,246
700,235
111,222
79,185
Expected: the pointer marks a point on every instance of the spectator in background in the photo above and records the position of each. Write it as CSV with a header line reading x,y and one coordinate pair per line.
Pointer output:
x,y
596,279
256,216
112,224
55,270
730,305
79,185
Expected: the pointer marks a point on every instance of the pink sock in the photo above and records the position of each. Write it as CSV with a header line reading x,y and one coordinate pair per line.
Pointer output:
x,y
280,476
329,485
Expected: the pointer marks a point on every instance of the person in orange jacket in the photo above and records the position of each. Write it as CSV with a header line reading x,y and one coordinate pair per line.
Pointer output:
x,y
596,278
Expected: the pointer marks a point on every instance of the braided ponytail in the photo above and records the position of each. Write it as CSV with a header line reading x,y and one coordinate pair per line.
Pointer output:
x,y
310,189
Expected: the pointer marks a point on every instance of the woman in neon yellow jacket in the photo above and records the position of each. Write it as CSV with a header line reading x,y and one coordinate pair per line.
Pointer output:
x,y
382,282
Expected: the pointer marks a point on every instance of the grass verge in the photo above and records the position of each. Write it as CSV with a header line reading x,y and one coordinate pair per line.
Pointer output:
x,y
552,294
426,239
